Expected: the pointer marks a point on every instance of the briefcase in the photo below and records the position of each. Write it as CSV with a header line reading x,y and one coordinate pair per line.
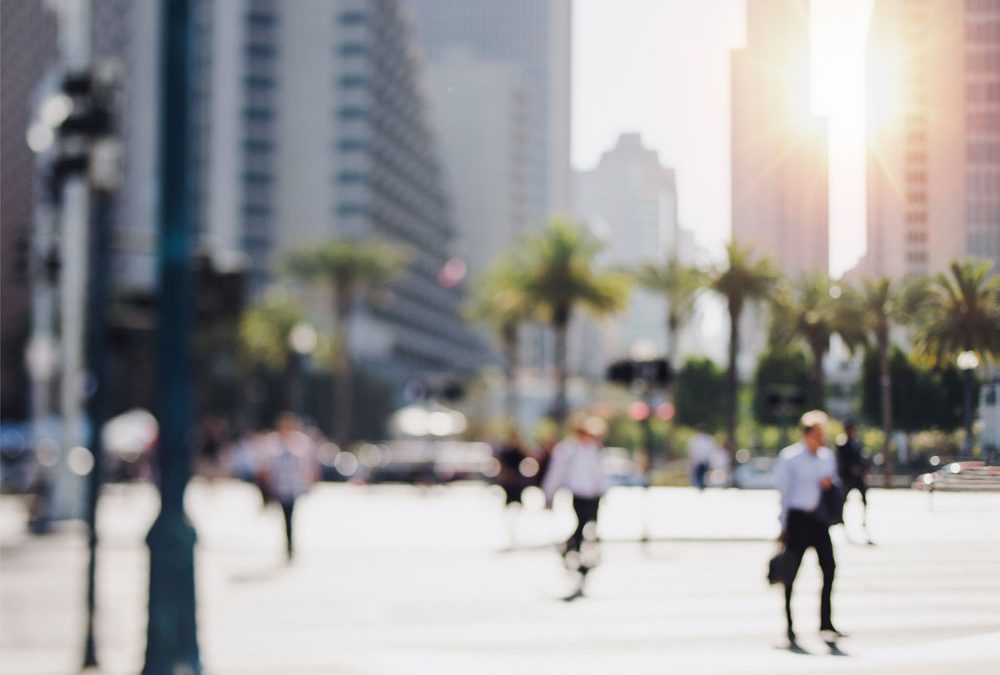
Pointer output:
x,y
777,567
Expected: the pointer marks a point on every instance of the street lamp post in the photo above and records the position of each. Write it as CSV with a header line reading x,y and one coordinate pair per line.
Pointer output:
x,y
967,362
643,354
172,638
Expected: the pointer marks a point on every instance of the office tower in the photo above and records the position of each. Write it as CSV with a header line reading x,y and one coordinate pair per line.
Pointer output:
x,y
629,201
523,48
933,104
479,109
779,153
27,49
534,37
353,156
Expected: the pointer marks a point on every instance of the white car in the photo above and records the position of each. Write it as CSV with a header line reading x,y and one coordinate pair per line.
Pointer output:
x,y
755,474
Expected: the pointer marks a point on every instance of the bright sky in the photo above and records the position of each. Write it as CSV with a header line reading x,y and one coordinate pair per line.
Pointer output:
x,y
661,67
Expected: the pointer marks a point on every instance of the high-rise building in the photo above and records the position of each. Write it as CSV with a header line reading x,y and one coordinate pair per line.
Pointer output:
x,y
933,103
499,86
629,201
311,125
534,37
479,110
308,123
27,49
779,148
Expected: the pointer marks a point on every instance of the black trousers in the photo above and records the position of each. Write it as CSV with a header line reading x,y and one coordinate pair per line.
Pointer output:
x,y
803,531
287,507
586,512
854,483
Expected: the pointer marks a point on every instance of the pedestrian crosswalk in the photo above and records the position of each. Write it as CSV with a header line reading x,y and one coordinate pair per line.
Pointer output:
x,y
400,579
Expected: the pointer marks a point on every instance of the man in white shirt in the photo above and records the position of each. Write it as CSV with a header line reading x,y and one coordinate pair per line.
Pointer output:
x,y
701,449
576,465
805,469
291,469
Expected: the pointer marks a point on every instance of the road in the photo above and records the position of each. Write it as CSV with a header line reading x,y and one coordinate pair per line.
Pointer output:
x,y
391,579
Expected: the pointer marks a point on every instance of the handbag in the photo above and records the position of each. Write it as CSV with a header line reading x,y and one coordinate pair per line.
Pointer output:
x,y
777,567
831,506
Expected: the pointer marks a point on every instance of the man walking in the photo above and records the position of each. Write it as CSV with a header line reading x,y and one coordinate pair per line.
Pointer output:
x,y
805,469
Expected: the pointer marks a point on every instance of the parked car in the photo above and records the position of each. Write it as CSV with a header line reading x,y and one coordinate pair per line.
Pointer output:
x,y
755,474
621,468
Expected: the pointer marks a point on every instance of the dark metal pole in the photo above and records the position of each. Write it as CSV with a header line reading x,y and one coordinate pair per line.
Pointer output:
x,y
172,643
967,411
97,407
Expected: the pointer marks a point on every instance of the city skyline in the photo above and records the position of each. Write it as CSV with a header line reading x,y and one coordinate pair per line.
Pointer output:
x,y
686,117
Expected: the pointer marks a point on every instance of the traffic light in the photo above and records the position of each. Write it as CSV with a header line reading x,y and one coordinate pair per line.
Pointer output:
x,y
655,372
220,289
620,372
82,114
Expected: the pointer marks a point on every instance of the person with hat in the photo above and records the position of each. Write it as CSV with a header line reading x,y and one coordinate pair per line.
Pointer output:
x,y
577,466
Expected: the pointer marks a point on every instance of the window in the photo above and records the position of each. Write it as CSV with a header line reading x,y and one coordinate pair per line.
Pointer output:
x,y
353,49
353,18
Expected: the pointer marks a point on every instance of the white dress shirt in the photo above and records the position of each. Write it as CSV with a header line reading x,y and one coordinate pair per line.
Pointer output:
x,y
576,465
701,449
799,473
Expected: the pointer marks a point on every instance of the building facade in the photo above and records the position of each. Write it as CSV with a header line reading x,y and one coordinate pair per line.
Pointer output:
x,y
629,201
933,135
27,50
534,38
780,186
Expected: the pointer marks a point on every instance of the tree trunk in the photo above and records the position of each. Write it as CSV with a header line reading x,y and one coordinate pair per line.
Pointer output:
x,y
510,348
885,389
732,380
343,375
673,325
819,381
560,325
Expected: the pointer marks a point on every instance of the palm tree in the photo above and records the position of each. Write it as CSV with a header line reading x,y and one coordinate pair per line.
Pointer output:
x,y
499,300
560,275
265,328
809,311
264,331
741,280
679,285
346,266
868,315
961,313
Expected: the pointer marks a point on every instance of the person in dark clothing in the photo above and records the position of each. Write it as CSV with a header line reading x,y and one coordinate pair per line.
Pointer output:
x,y
851,466
510,455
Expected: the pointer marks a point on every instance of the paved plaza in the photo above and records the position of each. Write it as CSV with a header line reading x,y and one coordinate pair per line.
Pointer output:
x,y
399,579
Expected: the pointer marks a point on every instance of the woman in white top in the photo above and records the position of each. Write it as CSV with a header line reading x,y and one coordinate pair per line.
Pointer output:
x,y
576,465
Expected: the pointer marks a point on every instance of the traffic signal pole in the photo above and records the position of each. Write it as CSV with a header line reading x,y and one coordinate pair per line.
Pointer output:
x,y
75,52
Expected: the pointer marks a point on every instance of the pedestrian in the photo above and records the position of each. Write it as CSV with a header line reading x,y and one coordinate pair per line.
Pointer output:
x,y
701,451
577,465
851,467
510,455
291,469
804,471
211,447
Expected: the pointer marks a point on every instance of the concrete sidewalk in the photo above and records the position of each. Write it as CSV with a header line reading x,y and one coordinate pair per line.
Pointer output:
x,y
392,579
